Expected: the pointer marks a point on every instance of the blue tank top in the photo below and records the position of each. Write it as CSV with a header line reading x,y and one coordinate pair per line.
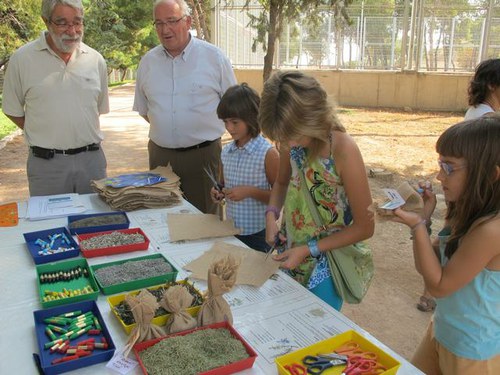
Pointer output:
x,y
467,322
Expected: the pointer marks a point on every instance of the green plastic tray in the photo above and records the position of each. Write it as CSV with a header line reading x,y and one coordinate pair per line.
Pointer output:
x,y
59,286
136,284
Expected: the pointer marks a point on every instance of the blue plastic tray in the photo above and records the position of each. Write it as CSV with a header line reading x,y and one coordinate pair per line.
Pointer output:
x,y
46,357
31,238
100,228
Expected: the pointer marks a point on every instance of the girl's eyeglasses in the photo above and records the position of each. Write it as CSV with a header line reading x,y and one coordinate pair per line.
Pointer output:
x,y
448,169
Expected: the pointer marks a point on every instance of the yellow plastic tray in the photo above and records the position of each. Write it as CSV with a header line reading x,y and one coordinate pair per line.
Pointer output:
x,y
159,320
329,345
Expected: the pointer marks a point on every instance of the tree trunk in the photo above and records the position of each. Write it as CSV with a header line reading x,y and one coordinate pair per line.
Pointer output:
x,y
272,35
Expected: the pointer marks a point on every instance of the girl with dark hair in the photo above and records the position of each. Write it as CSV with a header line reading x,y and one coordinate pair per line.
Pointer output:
x,y
464,336
484,89
250,165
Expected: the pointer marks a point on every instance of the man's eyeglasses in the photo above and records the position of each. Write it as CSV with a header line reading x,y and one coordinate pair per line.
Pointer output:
x,y
448,169
160,24
63,25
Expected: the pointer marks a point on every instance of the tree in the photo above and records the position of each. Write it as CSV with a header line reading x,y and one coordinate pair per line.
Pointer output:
x,y
20,22
276,13
121,30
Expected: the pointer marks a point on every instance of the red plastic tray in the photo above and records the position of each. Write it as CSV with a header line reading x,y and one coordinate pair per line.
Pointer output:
x,y
90,253
224,370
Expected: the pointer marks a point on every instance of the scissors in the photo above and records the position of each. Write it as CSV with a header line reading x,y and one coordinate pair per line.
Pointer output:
x,y
317,364
217,185
352,349
278,245
363,366
296,369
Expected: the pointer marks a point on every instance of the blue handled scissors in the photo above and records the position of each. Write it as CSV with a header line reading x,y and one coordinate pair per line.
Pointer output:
x,y
317,364
279,245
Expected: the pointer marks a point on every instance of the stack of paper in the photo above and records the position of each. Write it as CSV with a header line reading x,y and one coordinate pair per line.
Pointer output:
x,y
128,198
52,206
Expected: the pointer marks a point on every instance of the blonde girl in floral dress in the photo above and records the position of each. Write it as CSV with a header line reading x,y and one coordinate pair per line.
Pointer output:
x,y
295,112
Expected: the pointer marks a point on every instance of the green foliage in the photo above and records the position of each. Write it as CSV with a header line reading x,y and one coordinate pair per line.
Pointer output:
x,y
120,30
20,22
6,126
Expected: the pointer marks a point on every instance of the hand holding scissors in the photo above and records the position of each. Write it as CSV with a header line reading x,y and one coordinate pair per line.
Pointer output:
x,y
279,244
217,185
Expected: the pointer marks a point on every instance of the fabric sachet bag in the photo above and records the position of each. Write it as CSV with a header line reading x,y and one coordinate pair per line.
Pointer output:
x,y
221,279
177,300
143,307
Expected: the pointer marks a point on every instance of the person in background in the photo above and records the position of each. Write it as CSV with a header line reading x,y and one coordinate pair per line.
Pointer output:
x,y
179,85
484,89
55,88
464,336
295,112
250,166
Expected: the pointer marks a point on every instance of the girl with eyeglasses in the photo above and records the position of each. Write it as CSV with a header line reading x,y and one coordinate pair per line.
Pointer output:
x,y
464,336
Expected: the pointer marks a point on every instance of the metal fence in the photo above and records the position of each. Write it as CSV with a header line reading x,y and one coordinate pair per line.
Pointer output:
x,y
418,35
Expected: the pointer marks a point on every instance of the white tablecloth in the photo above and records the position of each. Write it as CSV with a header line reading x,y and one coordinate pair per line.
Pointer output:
x,y
277,318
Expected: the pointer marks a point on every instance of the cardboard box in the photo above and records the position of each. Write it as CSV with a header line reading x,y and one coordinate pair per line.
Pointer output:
x,y
99,228
136,284
160,320
224,370
46,358
32,237
329,345
59,286
90,253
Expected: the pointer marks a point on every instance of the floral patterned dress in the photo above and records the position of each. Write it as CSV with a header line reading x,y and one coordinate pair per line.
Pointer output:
x,y
327,191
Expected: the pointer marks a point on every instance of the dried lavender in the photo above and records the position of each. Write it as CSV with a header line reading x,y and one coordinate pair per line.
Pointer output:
x,y
111,240
193,353
96,221
131,271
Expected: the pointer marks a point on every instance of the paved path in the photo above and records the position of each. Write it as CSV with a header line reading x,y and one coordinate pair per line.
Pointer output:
x,y
125,145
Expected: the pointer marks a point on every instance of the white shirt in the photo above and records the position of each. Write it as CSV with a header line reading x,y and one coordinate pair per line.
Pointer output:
x,y
179,95
477,111
61,102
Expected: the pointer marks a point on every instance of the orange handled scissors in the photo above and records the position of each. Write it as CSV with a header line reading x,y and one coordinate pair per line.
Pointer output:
x,y
352,349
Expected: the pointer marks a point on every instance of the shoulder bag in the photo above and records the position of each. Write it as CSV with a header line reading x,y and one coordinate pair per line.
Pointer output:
x,y
351,266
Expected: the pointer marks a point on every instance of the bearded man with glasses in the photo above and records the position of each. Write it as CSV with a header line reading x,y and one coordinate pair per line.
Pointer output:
x,y
55,88
179,85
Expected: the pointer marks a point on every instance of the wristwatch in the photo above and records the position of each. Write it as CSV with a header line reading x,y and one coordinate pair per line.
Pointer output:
x,y
313,248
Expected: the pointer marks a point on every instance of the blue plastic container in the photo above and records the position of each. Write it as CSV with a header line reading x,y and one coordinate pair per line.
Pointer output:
x,y
46,358
32,237
99,228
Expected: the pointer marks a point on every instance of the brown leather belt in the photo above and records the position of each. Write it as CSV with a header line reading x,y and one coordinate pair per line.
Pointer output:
x,y
48,153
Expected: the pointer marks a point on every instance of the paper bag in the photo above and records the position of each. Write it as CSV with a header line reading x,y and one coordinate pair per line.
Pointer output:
x,y
143,307
221,278
176,300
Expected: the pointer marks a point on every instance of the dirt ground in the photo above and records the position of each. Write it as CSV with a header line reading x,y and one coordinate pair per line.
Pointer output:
x,y
401,143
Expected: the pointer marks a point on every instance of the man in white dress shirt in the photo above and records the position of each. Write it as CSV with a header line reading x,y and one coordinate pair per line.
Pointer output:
x,y
179,85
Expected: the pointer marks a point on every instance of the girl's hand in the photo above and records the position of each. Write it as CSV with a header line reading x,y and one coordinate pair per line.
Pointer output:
x,y
216,195
236,193
429,198
293,257
409,218
272,231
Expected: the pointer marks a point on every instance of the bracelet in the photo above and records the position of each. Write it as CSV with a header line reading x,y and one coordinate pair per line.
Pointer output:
x,y
274,210
413,228
313,248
